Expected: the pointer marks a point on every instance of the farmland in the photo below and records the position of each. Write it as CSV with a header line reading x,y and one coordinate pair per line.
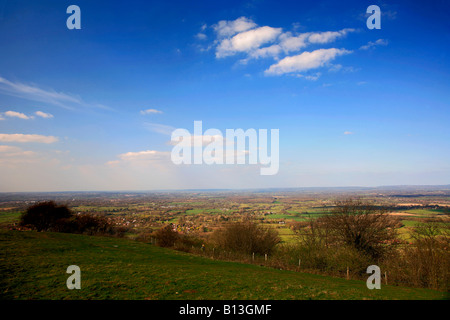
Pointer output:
x,y
125,262
203,212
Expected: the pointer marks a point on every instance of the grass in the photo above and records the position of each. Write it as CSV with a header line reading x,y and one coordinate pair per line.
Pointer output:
x,y
194,211
283,216
33,266
425,212
9,217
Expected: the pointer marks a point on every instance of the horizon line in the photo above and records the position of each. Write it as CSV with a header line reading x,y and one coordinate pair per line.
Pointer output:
x,y
233,189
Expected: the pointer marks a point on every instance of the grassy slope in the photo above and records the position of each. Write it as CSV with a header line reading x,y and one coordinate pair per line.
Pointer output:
x,y
33,266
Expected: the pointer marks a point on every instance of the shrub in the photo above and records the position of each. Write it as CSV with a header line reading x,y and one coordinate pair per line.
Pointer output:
x,y
186,242
426,262
166,236
247,237
46,216
95,225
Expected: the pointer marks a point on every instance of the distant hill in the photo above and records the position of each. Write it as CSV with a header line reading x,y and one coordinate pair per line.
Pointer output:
x,y
419,190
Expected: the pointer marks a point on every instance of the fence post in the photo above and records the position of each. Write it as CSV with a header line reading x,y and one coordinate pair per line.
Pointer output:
x,y
347,273
265,257
253,256
299,262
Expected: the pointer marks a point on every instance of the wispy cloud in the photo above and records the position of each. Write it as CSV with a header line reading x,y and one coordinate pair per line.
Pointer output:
x,y
348,132
12,156
160,128
328,36
372,44
198,140
149,157
24,138
34,93
150,111
201,35
12,151
144,155
9,149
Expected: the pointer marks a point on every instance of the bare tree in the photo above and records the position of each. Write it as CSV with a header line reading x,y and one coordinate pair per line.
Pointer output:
x,y
362,225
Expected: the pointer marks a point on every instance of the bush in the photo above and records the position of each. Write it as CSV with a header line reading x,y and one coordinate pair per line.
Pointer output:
x,y
95,225
48,216
426,262
45,216
186,242
166,236
247,237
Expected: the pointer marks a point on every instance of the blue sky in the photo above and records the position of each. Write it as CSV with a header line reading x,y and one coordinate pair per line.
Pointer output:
x,y
354,106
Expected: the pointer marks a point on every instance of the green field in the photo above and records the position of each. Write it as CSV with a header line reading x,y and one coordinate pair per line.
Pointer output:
x,y
33,266
9,217
426,212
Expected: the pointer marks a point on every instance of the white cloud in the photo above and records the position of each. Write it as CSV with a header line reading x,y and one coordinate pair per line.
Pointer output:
x,y
44,115
290,43
312,77
13,156
144,155
147,157
371,44
271,51
113,163
305,61
244,36
341,68
150,111
226,28
328,36
247,41
14,114
8,149
348,132
24,138
20,154
201,36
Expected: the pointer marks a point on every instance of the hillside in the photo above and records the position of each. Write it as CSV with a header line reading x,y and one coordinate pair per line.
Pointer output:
x,y
33,266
